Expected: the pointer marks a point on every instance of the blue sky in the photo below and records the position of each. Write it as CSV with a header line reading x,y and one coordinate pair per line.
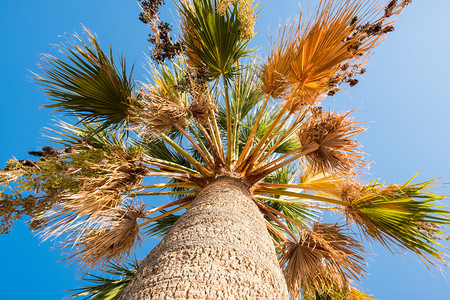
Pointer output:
x,y
404,93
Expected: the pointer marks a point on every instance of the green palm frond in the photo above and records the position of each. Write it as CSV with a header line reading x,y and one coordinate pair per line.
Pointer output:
x,y
166,82
403,215
283,140
302,212
286,144
86,133
161,227
102,288
212,40
88,83
157,148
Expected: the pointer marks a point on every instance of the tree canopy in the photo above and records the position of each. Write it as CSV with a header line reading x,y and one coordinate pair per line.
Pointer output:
x,y
211,109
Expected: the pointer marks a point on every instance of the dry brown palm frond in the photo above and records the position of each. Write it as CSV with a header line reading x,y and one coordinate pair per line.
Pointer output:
x,y
157,114
201,106
333,45
350,190
333,132
112,241
322,47
324,257
275,72
104,192
97,196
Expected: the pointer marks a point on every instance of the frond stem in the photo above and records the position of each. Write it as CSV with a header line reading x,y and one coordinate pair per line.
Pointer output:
x,y
200,142
281,162
262,191
275,231
273,210
298,186
186,155
216,136
171,166
281,224
170,184
249,142
165,214
286,134
191,140
250,158
133,194
173,203
294,203
263,148
218,158
229,129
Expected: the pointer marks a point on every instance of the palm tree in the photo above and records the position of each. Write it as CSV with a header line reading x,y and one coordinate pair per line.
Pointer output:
x,y
241,145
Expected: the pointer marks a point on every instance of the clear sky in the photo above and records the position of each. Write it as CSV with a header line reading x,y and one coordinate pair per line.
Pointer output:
x,y
404,93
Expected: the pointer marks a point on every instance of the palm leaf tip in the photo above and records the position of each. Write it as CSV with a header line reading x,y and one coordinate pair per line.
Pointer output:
x,y
87,83
107,288
406,215
333,133
113,240
274,73
323,257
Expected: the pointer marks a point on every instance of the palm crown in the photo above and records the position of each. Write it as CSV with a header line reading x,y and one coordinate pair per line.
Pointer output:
x,y
210,111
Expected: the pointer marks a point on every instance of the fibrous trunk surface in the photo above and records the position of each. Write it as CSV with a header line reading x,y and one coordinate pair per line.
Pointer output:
x,y
219,249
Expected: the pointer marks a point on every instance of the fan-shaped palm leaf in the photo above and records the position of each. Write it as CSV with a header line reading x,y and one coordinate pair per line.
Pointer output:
x,y
88,83
397,214
213,40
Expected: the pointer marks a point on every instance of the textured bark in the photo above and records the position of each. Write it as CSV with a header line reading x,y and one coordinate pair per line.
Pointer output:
x,y
219,249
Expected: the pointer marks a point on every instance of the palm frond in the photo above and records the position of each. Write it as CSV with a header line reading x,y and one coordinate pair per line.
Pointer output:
x,y
113,240
325,257
275,71
327,42
333,132
397,215
88,83
99,193
102,288
213,40
161,103
84,134
161,227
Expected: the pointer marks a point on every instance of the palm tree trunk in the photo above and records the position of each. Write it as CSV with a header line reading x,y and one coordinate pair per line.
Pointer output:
x,y
219,249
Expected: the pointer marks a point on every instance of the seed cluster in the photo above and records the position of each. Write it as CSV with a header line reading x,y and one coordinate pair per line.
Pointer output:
x,y
245,15
164,47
